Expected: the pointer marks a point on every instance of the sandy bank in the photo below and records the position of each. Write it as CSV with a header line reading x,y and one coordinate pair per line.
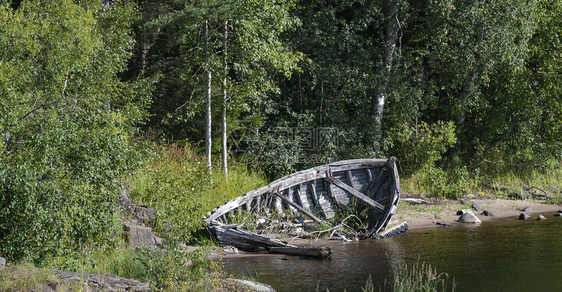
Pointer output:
x,y
445,211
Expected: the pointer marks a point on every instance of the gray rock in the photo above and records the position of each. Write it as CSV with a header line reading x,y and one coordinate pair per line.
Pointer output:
x,y
516,196
541,218
469,217
97,282
245,285
142,215
469,196
463,211
488,213
476,208
2,262
465,202
137,236
524,216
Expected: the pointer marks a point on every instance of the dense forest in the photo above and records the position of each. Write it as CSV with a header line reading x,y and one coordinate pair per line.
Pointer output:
x,y
452,88
289,84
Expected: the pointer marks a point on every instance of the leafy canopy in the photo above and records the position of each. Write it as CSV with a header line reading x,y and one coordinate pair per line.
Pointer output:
x,y
66,124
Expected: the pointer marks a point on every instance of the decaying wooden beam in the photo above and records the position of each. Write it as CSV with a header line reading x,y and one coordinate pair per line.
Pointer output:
x,y
354,193
299,208
230,235
321,252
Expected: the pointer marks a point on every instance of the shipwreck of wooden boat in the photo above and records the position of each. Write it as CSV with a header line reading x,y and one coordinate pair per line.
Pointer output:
x,y
366,189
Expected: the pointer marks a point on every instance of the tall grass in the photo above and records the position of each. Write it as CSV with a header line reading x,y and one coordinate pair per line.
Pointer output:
x,y
492,182
434,181
178,183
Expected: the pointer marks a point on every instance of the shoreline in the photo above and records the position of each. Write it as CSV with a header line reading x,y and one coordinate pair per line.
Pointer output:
x,y
444,212
438,213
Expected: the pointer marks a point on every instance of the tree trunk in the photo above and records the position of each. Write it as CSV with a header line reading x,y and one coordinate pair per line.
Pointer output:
x,y
224,101
391,39
208,143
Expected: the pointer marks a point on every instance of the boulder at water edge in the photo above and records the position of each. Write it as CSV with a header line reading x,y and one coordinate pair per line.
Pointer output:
x,y
477,208
524,216
488,213
541,218
469,217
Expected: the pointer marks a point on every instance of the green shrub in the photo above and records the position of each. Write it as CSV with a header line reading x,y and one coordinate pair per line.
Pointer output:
x,y
422,145
66,126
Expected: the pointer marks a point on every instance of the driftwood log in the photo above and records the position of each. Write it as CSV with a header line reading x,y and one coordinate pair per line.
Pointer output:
x,y
321,252
230,235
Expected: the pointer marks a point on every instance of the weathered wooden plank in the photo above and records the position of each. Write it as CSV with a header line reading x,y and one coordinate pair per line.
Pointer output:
x,y
369,174
277,205
239,238
350,179
291,196
258,202
330,193
311,196
303,199
355,193
301,209
326,205
313,193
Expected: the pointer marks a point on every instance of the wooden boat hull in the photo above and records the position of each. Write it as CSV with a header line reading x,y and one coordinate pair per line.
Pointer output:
x,y
371,186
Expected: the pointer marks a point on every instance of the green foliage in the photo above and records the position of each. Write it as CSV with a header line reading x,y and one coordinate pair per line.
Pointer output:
x,y
178,184
422,145
66,127
276,155
172,43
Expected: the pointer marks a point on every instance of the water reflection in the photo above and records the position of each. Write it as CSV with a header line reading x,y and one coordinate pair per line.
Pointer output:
x,y
499,255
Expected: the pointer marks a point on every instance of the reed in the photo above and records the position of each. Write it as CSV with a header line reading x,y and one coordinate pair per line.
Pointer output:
x,y
420,277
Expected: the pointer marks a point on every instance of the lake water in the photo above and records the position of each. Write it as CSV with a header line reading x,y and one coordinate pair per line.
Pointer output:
x,y
499,255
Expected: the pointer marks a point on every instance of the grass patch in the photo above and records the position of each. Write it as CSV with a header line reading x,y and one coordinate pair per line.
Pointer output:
x,y
490,183
434,181
178,183
26,277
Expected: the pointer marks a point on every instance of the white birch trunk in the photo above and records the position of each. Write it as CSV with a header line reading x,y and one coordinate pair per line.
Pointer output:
x,y
208,143
224,101
391,39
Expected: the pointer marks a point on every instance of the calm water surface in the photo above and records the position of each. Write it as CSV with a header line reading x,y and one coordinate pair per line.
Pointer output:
x,y
499,255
